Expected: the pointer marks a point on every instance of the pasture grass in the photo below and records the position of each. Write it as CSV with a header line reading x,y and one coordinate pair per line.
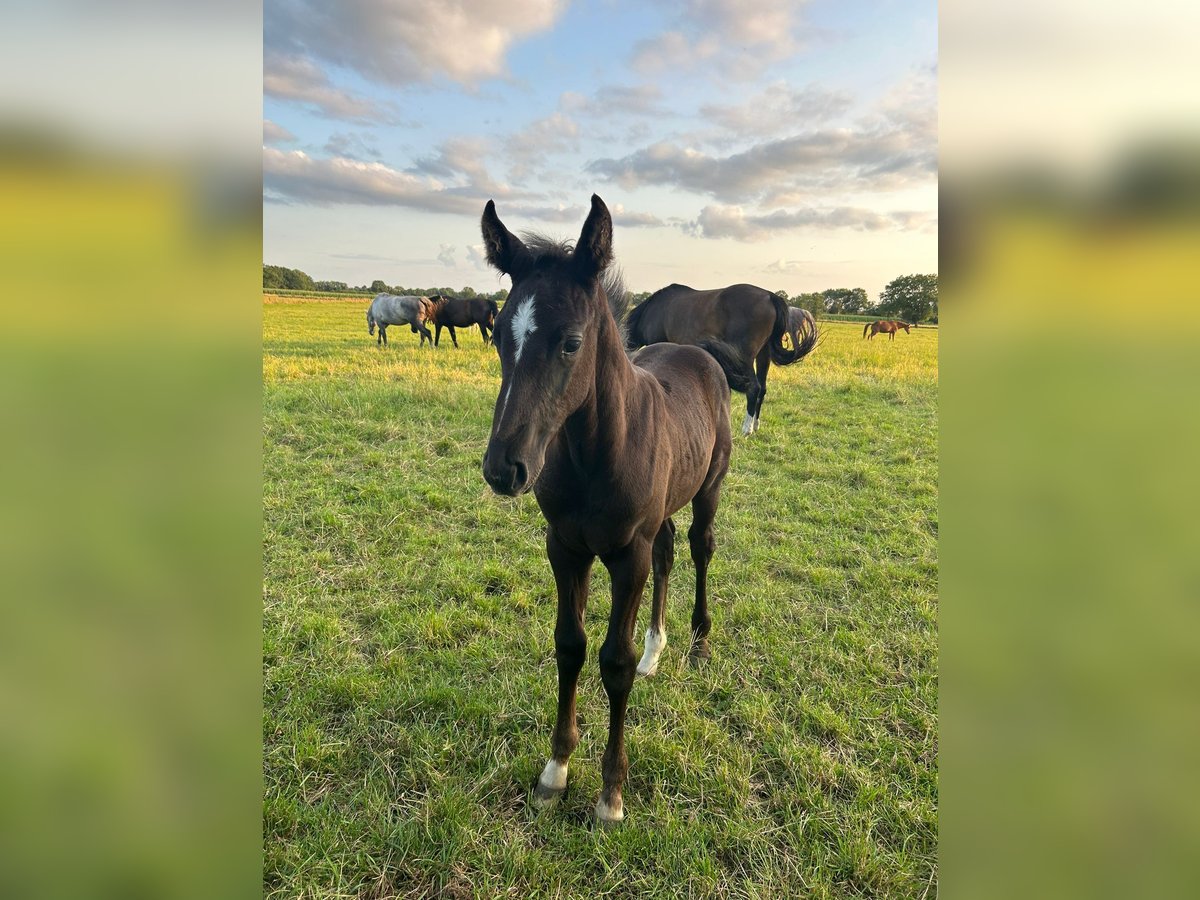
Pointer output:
x,y
408,641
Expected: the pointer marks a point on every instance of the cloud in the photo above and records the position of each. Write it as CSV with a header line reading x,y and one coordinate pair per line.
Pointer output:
x,y
446,255
732,221
300,80
533,145
398,42
462,159
298,176
779,108
746,35
615,100
624,218
892,146
476,256
276,134
351,146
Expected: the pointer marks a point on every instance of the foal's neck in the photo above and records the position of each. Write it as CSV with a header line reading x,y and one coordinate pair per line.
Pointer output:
x,y
598,430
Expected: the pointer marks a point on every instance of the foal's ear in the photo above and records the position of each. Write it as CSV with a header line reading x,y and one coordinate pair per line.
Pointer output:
x,y
593,252
504,249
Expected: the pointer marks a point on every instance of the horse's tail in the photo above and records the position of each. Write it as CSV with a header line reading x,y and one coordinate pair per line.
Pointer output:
x,y
731,363
804,337
370,320
865,328
493,311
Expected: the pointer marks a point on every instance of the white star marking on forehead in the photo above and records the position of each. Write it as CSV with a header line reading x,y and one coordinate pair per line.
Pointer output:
x,y
523,324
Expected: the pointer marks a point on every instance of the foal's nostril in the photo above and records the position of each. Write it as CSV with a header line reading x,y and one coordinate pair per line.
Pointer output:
x,y
520,473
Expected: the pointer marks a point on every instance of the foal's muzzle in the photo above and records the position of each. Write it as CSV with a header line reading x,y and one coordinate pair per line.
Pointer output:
x,y
507,477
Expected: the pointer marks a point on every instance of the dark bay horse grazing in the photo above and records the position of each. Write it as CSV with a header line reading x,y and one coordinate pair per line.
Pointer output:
x,y
456,312
885,326
611,448
394,309
744,321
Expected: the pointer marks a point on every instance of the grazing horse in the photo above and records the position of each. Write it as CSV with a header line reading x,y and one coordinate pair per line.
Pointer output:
x,y
392,309
885,326
745,321
612,448
452,312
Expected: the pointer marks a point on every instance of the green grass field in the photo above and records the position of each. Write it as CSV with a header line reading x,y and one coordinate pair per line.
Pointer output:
x,y
409,659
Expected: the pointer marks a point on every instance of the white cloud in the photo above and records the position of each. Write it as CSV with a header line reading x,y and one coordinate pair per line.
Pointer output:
x,y
746,35
300,80
276,134
446,255
779,108
398,42
733,222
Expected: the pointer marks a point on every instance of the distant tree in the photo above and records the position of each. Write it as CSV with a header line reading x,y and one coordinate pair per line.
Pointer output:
x,y
500,296
813,302
378,287
845,301
332,286
782,295
468,293
639,297
283,278
913,298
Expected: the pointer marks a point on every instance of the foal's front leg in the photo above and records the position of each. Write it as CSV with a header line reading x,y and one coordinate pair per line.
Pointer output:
x,y
629,569
572,573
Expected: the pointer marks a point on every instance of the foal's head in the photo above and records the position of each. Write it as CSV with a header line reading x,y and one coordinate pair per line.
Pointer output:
x,y
546,336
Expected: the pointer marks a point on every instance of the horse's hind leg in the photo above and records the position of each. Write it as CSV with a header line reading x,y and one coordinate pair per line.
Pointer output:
x,y
663,558
383,334
764,364
700,537
453,336
483,332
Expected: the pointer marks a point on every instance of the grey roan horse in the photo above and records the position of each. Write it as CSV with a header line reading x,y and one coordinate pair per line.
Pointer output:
x,y
748,322
611,448
393,309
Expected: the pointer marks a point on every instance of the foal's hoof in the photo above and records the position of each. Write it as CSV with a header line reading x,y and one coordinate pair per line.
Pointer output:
x,y
699,654
544,797
609,816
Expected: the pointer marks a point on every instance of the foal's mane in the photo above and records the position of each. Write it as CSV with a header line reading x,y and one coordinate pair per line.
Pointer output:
x,y
612,282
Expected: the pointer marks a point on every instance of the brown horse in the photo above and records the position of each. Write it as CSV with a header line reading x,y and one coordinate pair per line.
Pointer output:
x,y
457,312
746,322
611,448
885,326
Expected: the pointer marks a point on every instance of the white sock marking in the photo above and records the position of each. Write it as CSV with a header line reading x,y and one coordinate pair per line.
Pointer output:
x,y
608,813
655,642
754,429
747,423
554,776
523,324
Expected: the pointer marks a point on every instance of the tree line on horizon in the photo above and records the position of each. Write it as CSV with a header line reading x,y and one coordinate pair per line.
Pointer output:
x,y
913,298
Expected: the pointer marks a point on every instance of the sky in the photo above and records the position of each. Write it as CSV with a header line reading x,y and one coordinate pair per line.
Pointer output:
x,y
791,145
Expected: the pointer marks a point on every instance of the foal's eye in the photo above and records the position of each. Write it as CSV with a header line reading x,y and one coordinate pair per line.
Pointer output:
x,y
573,343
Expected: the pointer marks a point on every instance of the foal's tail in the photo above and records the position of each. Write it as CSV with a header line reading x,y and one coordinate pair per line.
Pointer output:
x,y
804,338
737,371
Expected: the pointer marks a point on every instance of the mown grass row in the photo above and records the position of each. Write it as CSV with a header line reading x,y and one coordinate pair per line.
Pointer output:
x,y
408,648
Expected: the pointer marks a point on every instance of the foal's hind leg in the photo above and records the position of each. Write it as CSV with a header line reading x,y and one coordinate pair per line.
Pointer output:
x,y
663,558
700,537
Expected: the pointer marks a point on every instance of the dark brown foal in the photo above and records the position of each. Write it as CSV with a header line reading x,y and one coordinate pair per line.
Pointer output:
x,y
611,449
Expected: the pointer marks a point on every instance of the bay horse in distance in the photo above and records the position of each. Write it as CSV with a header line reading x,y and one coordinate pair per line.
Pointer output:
x,y
885,326
396,309
611,448
744,321
459,312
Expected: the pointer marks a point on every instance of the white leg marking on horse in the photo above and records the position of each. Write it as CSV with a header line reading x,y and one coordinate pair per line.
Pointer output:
x,y
655,642
523,324
747,423
606,813
554,776
754,428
